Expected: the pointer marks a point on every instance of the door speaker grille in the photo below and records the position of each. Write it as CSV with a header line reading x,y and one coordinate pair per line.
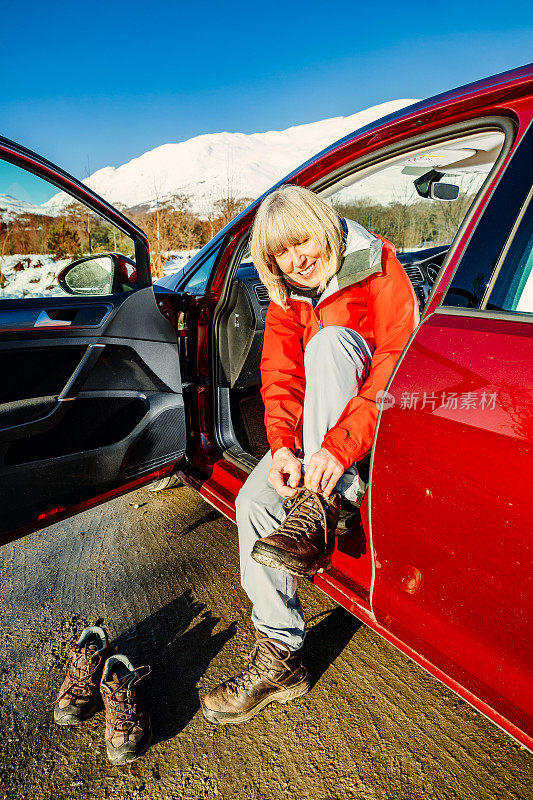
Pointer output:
x,y
164,439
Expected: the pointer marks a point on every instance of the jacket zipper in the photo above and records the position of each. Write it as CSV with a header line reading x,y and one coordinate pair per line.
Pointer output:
x,y
317,316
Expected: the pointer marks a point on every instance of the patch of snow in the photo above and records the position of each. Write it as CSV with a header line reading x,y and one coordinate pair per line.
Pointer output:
x,y
32,275
177,261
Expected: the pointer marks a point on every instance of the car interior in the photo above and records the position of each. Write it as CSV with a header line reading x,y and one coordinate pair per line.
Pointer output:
x,y
432,187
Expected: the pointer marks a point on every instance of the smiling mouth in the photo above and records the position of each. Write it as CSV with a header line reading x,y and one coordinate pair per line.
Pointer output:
x,y
307,271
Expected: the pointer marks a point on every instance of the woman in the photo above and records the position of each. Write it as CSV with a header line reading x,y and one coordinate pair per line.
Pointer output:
x,y
342,311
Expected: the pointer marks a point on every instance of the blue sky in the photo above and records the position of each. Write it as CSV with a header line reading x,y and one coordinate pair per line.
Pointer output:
x,y
90,85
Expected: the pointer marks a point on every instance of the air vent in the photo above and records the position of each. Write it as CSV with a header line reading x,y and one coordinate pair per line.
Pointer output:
x,y
416,276
261,293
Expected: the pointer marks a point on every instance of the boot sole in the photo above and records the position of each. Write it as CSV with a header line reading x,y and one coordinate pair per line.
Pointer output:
x,y
271,556
70,719
126,758
283,696
76,719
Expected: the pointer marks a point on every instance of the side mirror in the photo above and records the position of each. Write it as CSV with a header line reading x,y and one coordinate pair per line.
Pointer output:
x,y
105,273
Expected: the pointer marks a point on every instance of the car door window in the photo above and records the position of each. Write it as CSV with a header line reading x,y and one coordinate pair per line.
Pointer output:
x,y
418,199
513,288
43,230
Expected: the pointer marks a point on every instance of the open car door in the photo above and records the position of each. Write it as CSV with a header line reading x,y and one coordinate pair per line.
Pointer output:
x,y
91,401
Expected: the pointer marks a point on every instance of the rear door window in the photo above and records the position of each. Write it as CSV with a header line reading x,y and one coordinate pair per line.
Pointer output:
x,y
513,288
481,270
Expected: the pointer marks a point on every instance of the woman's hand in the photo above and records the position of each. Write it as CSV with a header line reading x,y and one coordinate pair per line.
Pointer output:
x,y
285,473
323,472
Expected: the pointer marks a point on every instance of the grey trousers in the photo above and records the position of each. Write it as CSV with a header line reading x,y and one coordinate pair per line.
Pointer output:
x,y
337,361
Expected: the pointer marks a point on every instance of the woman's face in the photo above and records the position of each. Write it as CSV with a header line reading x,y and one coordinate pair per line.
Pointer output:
x,y
302,263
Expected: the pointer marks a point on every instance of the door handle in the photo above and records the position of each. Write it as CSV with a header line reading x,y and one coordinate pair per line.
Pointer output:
x,y
45,321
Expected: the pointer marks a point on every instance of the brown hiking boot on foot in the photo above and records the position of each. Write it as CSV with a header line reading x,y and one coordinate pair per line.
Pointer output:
x,y
128,731
79,696
304,542
272,673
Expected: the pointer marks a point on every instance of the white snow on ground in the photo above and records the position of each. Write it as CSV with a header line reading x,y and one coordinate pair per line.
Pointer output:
x,y
214,165
176,261
37,278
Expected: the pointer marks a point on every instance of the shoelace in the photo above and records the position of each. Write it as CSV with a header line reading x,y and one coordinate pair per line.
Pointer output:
x,y
308,505
124,709
258,662
79,673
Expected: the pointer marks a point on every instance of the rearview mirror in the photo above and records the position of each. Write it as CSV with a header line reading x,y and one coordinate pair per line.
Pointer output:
x,y
105,273
429,186
444,191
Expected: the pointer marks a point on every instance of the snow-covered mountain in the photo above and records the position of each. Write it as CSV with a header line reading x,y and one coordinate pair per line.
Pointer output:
x,y
214,165
11,207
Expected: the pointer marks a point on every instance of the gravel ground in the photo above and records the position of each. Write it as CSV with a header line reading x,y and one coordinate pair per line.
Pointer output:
x,y
161,571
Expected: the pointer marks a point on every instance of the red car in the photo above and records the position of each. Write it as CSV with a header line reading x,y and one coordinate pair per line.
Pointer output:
x,y
109,383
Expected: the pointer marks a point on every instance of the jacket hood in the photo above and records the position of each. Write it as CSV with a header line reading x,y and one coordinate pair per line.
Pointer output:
x,y
362,256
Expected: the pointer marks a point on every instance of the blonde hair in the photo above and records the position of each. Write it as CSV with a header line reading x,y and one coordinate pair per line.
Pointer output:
x,y
286,217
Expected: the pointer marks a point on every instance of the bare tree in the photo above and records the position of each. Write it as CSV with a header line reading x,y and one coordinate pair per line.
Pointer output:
x,y
4,233
186,229
170,226
227,208
399,211
230,204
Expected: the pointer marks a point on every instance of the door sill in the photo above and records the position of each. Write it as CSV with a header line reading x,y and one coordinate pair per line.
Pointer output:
x,y
240,458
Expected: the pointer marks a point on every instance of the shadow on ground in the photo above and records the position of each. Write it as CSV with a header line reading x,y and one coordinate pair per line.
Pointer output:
x,y
326,639
179,643
179,655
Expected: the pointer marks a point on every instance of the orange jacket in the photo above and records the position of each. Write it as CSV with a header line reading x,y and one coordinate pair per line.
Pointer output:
x,y
370,294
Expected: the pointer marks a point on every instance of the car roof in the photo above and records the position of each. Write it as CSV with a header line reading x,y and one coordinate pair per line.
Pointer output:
x,y
513,77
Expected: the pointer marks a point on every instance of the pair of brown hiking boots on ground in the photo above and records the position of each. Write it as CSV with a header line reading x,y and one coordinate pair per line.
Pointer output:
x,y
302,545
93,677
